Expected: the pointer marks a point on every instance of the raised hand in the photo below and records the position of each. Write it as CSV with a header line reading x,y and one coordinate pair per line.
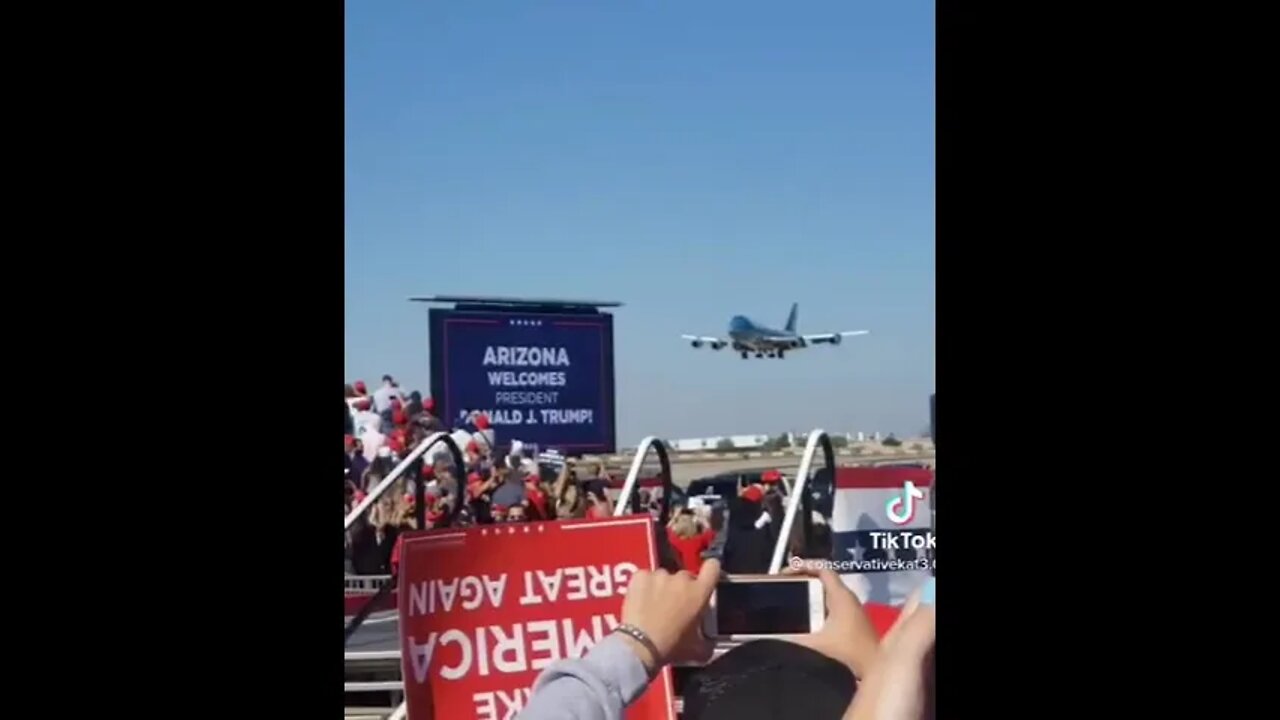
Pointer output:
x,y
668,607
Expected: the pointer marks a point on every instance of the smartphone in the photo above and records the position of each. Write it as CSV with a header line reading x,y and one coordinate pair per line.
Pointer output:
x,y
748,607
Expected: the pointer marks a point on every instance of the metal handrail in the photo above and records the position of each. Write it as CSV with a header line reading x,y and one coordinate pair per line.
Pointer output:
x,y
420,500
818,436
367,609
633,476
365,583
358,511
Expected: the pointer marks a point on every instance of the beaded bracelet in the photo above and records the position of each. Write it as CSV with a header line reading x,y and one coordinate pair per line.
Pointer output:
x,y
641,637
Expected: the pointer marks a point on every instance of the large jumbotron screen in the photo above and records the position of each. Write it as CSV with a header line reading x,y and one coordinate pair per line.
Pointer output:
x,y
542,378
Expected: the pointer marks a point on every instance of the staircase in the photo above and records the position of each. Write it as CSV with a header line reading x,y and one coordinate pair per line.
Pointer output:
x,y
372,687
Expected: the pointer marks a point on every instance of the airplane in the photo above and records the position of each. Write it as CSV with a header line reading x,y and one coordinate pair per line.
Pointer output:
x,y
747,337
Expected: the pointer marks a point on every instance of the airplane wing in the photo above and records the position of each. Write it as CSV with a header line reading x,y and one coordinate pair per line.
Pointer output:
x,y
712,342
832,338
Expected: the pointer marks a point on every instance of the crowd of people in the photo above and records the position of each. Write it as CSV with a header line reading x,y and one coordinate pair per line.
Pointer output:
x,y
841,671
493,486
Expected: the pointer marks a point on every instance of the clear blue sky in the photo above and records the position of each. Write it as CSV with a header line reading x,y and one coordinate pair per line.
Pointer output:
x,y
692,160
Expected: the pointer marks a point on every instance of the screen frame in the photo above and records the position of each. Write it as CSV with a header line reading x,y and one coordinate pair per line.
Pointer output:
x,y
603,443
817,610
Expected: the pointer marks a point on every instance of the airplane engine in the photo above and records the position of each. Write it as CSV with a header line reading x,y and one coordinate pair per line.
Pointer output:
x,y
836,340
696,343
717,346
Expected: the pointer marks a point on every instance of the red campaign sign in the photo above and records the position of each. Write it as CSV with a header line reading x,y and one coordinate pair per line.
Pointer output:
x,y
484,609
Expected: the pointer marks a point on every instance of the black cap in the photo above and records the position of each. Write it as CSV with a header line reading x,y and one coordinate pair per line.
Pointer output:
x,y
768,680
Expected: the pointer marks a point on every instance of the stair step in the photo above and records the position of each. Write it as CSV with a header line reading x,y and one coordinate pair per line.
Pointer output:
x,y
365,713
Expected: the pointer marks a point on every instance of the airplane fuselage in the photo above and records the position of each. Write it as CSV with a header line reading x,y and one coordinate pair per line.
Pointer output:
x,y
749,336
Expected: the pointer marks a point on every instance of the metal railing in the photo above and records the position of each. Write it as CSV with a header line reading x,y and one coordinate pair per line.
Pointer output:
x,y
420,491
365,583
795,498
427,443
628,496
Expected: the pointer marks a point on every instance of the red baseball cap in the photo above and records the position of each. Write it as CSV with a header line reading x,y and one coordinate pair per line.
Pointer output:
x,y
473,447
428,471
499,509
349,440
753,494
482,421
360,387
429,404
771,476
399,418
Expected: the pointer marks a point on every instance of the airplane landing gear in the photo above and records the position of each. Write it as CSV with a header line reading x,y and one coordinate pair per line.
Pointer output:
x,y
782,354
744,354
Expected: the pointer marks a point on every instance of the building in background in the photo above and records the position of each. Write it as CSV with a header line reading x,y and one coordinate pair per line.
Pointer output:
x,y
746,442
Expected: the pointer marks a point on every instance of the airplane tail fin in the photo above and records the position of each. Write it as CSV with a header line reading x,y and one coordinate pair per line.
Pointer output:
x,y
791,319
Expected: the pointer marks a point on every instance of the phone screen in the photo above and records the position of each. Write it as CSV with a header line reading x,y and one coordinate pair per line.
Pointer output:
x,y
762,608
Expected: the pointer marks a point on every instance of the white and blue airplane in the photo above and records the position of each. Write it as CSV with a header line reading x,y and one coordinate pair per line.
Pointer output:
x,y
748,337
